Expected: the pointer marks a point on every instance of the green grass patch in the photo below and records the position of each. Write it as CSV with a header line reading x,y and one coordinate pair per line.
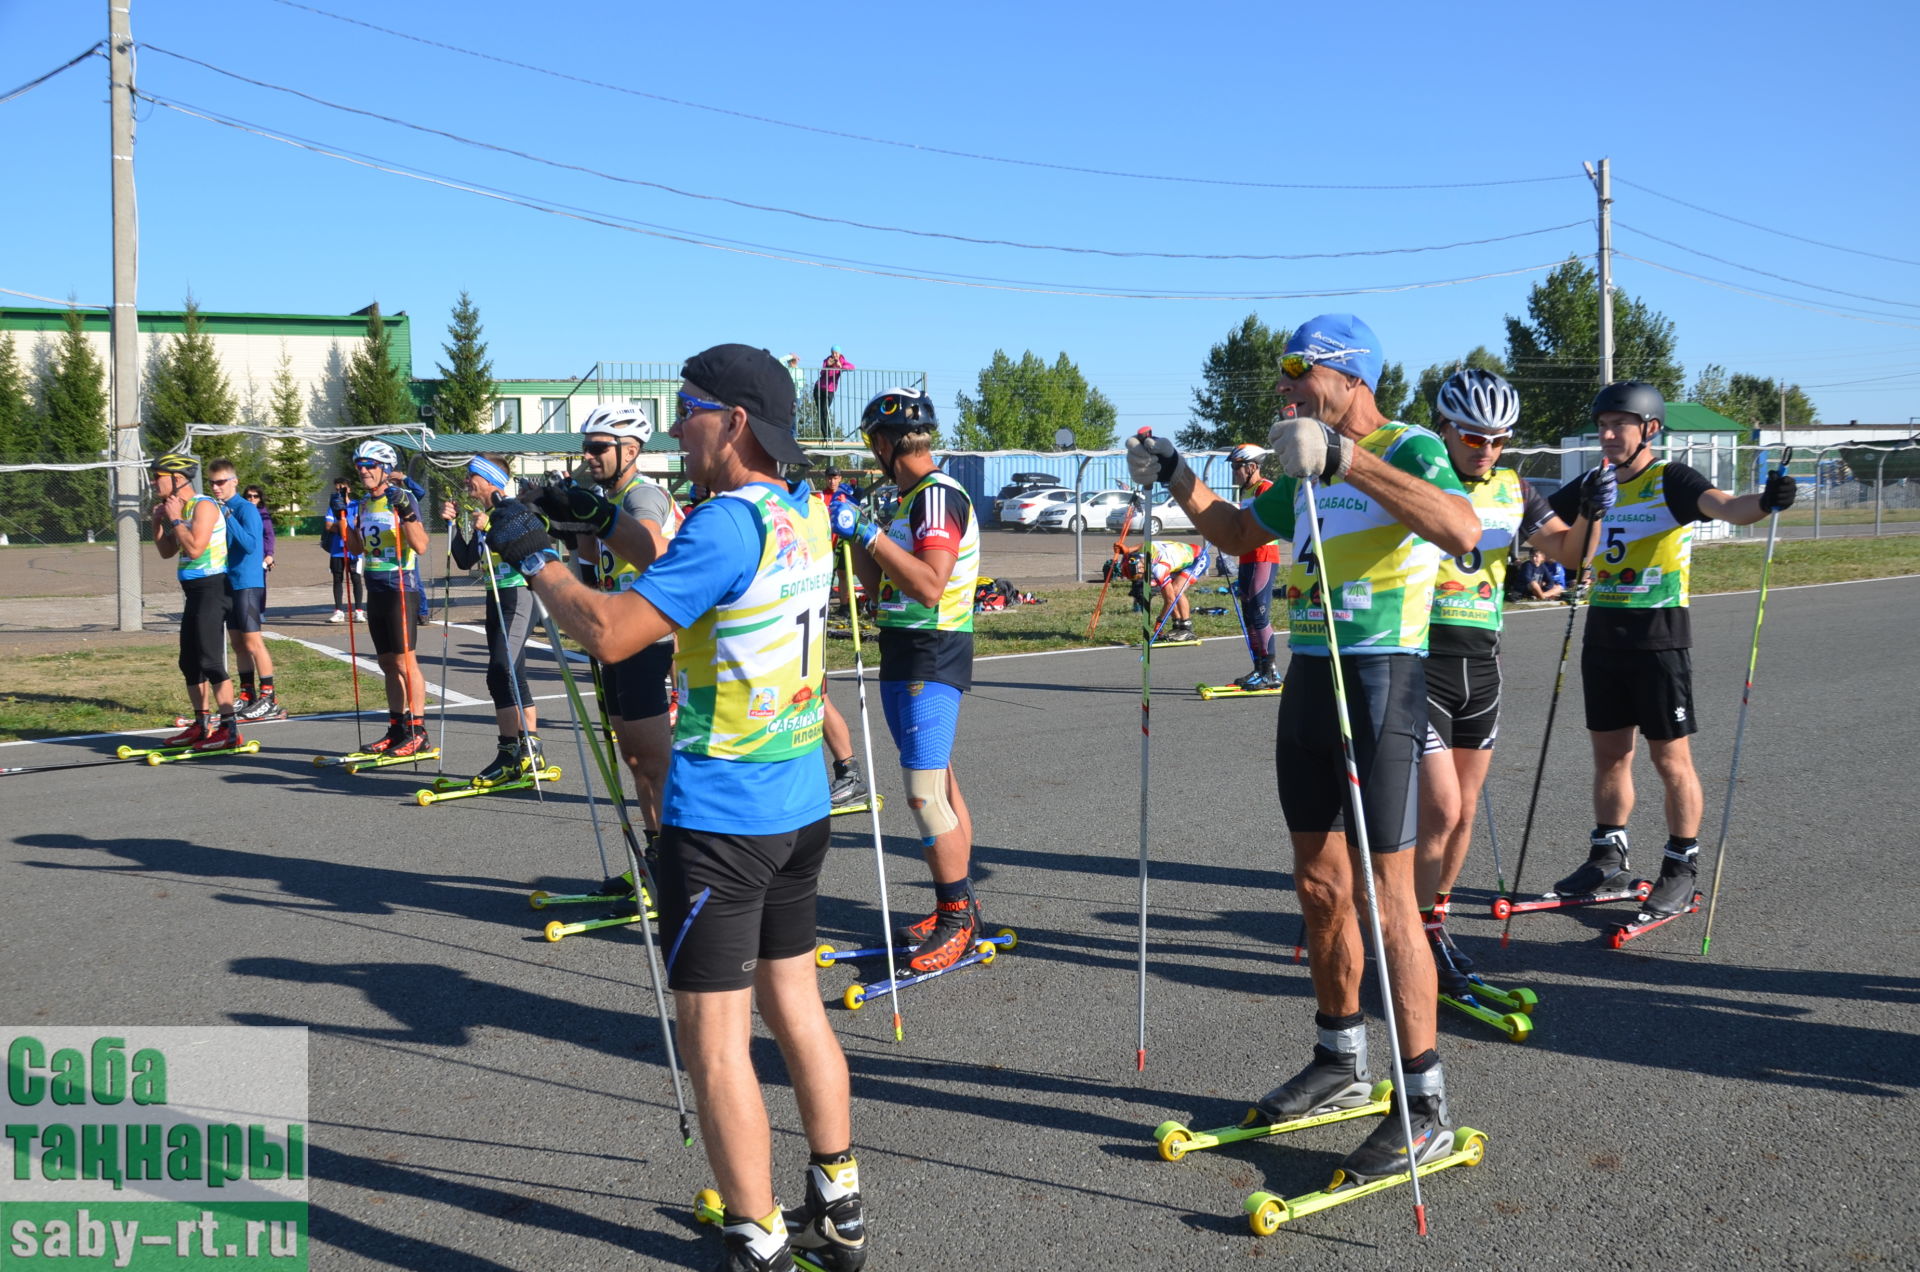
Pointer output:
x,y
1734,567
1802,515
119,688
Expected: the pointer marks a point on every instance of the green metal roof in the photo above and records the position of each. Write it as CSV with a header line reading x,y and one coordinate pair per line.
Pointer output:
x,y
221,323
1691,417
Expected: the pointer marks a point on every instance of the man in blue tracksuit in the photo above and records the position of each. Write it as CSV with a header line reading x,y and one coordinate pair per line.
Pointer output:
x,y
247,590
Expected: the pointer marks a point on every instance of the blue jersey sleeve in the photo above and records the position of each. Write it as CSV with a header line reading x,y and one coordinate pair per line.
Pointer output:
x,y
712,559
243,525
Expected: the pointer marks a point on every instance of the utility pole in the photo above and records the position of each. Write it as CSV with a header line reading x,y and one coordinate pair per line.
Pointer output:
x,y
125,321
1603,187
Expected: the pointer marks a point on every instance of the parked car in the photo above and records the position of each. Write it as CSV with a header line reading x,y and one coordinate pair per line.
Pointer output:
x,y
1090,511
1167,516
1024,510
1024,484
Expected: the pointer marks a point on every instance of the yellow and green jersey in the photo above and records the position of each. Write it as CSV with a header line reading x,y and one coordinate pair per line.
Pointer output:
x,y
1383,573
382,548
751,670
1644,552
212,559
935,514
1469,592
615,574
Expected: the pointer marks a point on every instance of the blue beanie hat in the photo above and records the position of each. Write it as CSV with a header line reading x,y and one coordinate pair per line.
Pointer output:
x,y
481,466
1343,342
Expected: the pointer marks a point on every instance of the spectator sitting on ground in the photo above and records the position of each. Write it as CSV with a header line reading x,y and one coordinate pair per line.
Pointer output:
x,y
1543,580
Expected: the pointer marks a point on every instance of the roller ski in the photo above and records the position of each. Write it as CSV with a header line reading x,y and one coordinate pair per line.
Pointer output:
x,y
738,1235
1006,939
1334,1087
1603,879
1673,896
1381,1161
1471,996
875,802
221,742
1236,690
1176,1140
857,996
617,891
400,746
450,788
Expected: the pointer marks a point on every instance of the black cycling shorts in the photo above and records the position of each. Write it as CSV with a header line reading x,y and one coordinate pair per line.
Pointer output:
x,y
1387,703
395,628
1463,700
637,686
728,901
248,607
1646,689
203,649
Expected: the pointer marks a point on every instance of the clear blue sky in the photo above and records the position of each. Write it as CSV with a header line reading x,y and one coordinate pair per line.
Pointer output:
x,y
1797,119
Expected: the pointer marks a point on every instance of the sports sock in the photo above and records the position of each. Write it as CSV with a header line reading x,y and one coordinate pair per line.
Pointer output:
x,y
957,891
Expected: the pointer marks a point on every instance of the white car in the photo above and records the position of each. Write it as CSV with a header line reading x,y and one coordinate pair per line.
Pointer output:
x,y
1167,516
1024,510
1091,511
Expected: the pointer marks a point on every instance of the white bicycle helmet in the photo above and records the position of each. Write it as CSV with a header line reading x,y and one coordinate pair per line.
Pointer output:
x,y
379,452
1476,401
1247,453
619,419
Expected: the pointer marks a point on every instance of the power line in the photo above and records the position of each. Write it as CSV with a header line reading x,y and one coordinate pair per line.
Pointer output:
x,y
32,84
611,221
1798,238
1878,300
835,220
1766,296
904,145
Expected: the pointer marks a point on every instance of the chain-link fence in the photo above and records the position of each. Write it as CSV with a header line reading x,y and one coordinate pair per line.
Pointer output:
x,y
55,505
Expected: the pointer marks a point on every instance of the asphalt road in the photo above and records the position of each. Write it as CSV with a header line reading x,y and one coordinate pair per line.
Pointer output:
x,y
484,1099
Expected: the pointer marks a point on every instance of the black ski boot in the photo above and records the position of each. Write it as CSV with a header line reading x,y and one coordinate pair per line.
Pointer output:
x,y
1263,676
1335,1080
831,1228
849,785
1450,962
504,765
1606,864
1678,877
1182,630
750,1246
1384,1153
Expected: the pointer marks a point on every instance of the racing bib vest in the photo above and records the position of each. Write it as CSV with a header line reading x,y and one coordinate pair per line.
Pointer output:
x,y
1469,590
614,574
751,671
213,558
1643,555
1384,572
954,613
1170,556
381,546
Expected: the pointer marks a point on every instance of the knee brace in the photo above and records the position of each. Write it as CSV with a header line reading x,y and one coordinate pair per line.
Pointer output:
x,y
927,801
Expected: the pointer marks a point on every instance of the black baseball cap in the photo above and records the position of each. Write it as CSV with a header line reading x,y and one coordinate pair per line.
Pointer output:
x,y
741,375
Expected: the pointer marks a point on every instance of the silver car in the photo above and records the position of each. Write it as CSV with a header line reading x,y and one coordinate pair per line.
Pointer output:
x,y
1167,515
1091,511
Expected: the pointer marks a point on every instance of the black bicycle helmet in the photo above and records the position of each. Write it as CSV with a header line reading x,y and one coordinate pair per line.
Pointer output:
x,y
1634,397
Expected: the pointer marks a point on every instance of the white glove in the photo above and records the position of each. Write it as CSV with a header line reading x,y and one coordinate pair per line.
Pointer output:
x,y
1151,459
1304,447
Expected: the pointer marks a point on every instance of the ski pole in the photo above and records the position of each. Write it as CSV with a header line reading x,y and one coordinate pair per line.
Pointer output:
x,y
1364,867
524,749
1546,739
1147,634
1493,837
1746,695
446,639
636,860
1120,546
353,652
873,805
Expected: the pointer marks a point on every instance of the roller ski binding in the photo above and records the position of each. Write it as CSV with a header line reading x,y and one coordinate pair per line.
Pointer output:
x,y
1332,1088
1602,879
1672,897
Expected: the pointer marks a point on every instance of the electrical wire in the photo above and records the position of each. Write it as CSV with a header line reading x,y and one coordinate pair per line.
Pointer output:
x,y
1878,300
64,304
835,220
1798,238
610,221
1766,296
32,84
906,145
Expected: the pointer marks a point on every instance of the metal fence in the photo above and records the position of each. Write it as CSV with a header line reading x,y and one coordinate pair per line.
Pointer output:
x,y
52,506
823,415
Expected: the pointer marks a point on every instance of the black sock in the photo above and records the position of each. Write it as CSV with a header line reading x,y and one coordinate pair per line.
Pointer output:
x,y
1325,1021
205,721
957,891
842,767
1422,1062
246,683
266,686
1681,845
1604,829
831,1159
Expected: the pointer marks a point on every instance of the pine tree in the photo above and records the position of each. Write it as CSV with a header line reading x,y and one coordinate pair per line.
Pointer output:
x,y
73,430
464,401
375,395
16,439
186,385
290,482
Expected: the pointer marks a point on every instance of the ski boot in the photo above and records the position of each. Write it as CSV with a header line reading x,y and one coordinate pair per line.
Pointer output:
x,y
412,741
1383,1154
1606,864
830,1230
396,733
955,925
1263,676
1332,1081
1182,630
263,707
1450,962
225,737
751,1245
849,785
192,735
1674,892
504,765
